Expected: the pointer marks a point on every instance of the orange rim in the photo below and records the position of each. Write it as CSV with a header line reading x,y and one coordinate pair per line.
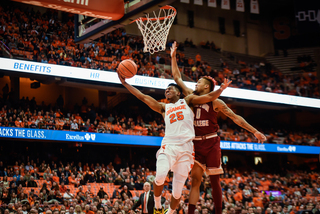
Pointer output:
x,y
167,7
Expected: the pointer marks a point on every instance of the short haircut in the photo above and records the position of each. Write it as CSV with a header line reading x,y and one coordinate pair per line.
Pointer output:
x,y
146,183
210,81
176,86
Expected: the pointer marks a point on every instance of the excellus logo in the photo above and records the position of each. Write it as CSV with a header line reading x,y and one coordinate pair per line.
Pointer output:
x,y
286,149
88,136
81,137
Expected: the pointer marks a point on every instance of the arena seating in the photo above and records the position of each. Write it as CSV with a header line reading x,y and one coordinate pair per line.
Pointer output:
x,y
43,37
286,63
240,189
125,124
49,44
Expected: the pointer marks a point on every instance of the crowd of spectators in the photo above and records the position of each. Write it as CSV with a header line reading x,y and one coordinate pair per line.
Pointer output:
x,y
49,39
305,63
57,187
88,118
264,77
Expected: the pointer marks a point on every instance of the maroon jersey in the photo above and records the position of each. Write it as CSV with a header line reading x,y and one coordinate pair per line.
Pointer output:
x,y
205,119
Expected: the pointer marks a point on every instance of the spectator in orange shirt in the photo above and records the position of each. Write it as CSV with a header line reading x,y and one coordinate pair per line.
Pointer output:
x,y
16,167
102,52
237,195
100,44
161,133
52,61
257,200
48,182
87,210
138,128
55,178
56,206
198,59
78,180
117,129
18,122
190,61
62,188
259,87
72,180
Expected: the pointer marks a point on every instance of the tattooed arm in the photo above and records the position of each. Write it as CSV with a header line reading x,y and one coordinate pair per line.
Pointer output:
x,y
237,119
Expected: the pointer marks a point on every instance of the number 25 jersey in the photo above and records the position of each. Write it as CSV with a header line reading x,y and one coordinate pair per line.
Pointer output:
x,y
179,123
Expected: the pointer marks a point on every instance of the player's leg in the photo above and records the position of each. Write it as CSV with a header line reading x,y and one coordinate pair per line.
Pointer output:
x,y
179,179
162,169
214,170
196,175
216,193
181,169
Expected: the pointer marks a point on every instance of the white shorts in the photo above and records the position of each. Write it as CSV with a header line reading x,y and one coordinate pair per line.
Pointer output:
x,y
181,157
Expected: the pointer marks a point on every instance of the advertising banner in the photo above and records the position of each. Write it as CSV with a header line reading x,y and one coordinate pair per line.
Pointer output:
x,y
145,81
89,137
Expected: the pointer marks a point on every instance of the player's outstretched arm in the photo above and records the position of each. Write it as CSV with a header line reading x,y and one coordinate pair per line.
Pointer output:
x,y
213,95
152,103
240,121
175,71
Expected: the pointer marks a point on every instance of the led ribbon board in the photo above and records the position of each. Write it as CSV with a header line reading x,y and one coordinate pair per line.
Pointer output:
x,y
133,140
149,82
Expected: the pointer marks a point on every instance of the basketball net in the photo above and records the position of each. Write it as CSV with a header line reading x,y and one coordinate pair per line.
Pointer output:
x,y
155,30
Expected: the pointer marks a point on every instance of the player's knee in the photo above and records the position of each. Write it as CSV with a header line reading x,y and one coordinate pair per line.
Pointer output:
x,y
196,175
160,178
176,193
177,190
162,170
196,180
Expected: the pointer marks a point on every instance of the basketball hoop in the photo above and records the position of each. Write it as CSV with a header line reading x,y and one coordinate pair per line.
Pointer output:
x,y
155,30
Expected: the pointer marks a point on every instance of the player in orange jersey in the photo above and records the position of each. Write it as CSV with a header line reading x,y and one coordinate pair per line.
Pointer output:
x,y
176,152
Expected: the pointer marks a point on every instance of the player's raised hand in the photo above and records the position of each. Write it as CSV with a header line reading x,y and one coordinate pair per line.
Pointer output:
x,y
261,138
173,49
225,83
121,78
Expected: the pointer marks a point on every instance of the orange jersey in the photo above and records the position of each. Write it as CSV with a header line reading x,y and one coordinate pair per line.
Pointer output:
x,y
257,202
56,179
237,196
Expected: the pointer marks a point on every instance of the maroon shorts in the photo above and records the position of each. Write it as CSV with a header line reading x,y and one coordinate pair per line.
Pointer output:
x,y
208,152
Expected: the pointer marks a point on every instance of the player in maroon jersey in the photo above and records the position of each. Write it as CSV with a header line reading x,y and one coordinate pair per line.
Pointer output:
x,y
207,142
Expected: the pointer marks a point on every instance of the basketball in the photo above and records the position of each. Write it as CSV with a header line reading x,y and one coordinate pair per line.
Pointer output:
x,y
127,68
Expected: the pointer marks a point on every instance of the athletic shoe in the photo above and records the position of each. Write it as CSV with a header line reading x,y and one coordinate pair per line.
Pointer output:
x,y
166,211
157,211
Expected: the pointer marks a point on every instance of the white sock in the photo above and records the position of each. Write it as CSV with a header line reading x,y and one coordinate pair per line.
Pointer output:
x,y
157,202
170,211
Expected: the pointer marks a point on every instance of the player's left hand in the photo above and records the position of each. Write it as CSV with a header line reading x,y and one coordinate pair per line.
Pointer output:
x,y
225,83
261,138
121,78
173,49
